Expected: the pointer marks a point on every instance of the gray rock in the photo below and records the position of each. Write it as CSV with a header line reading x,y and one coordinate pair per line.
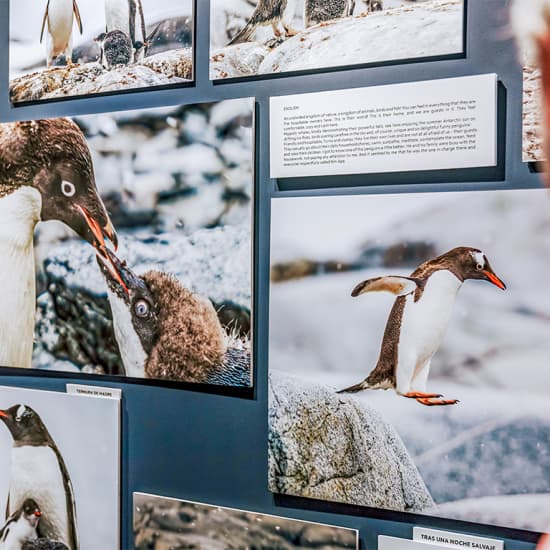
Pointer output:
x,y
326,446
237,61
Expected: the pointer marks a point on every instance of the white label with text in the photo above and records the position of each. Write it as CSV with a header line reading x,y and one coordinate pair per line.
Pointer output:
x,y
456,540
94,391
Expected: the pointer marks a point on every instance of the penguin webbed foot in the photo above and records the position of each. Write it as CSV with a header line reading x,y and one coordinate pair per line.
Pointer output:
x,y
422,395
431,402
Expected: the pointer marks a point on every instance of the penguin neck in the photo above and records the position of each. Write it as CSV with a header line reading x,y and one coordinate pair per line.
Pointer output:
x,y
19,214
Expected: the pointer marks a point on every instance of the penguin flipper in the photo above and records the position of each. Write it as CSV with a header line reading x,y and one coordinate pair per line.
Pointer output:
x,y
44,19
76,12
244,34
8,507
399,286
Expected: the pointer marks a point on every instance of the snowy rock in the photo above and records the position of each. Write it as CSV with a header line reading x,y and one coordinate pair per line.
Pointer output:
x,y
74,322
236,61
401,33
172,67
326,446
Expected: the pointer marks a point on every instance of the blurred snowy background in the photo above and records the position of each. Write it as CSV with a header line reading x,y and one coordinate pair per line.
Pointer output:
x,y
486,459
27,54
403,29
178,184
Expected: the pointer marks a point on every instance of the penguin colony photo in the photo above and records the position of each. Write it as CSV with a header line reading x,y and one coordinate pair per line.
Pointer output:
x,y
83,47
294,35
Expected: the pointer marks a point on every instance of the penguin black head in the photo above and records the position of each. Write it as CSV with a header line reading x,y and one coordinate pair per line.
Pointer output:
x,y
31,511
25,426
52,156
471,263
180,335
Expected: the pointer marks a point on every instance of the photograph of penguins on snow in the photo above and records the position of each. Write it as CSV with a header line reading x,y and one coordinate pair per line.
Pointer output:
x,y
163,523
126,243
59,464
409,353
74,48
259,37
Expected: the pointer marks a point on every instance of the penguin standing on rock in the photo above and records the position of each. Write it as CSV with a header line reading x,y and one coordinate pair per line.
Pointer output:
x,y
59,18
165,331
419,319
318,11
38,471
21,526
46,173
116,49
277,13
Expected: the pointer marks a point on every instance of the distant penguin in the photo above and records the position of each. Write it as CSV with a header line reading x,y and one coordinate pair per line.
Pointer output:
x,y
127,16
58,20
319,11
38,471
165,331
116,49
21,526
419,319
277,13
46,173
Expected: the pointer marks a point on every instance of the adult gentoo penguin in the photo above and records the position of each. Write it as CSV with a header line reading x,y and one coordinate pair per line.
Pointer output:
x,y
418,320
164,331
122,15
277,13
46,173
21,526
59,17
38,471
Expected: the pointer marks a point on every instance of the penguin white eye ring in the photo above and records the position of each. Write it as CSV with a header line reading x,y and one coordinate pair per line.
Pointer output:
x,y
68,188
142,308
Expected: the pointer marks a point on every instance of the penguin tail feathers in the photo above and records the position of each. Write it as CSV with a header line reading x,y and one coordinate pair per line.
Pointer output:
x,y
243,35
364,385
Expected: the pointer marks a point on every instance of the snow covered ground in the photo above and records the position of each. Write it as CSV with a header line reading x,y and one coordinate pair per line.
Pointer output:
x,y
532,129
402,30
495,357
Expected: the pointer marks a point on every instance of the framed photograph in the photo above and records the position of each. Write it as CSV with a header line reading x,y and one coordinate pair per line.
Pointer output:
x,y
409,356
251,38
195,525
59,470
141,262
61,49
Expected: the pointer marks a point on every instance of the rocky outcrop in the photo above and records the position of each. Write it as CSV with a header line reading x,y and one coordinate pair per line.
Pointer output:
x,y
166,68
165,524
74,323
237,61
327,446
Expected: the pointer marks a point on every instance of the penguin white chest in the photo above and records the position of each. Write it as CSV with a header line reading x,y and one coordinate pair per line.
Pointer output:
x,y
424,322
35,473
117,15
18,533
60,24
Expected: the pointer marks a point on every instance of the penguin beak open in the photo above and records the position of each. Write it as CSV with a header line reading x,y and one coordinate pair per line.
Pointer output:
x,y
491,276
114,272
99,233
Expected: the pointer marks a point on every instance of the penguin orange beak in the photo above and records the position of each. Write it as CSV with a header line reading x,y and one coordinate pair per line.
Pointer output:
x,y
38,513
99,233
4,414
492,278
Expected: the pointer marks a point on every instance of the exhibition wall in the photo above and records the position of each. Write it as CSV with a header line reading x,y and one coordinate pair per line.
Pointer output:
x,y
211,446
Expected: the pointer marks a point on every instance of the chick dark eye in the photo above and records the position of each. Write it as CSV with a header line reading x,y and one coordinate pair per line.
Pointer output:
x,y
68,188
141,308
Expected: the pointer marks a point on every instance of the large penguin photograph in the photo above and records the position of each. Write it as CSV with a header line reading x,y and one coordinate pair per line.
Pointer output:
x,y
59,471
265,37
60,49
162,522
409,355
126,244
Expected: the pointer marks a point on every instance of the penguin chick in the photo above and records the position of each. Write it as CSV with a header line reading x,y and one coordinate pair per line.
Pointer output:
x,y
277,13
418,320
44,544
38,471
116,49
21,526
59,18
163,330
318,11
46,173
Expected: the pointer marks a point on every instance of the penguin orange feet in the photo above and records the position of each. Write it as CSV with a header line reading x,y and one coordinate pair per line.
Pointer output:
x,y
420,394
291,32
431,402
